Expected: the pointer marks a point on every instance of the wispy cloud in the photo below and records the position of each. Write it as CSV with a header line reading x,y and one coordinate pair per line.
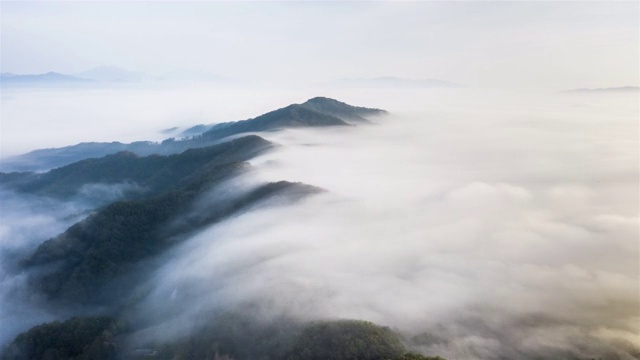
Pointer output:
x,y
495,230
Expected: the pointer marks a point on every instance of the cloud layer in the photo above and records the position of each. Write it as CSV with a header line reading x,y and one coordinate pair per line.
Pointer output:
x,y
481,225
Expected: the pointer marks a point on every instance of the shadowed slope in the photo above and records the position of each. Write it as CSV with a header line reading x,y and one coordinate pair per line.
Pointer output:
x,y
316,112
151,174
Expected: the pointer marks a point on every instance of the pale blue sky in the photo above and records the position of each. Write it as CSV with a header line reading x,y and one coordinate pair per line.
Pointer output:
x,y
552,45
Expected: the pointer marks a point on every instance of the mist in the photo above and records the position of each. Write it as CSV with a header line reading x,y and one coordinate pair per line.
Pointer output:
x,y
492,214
25,222
124,112
477,223
480,224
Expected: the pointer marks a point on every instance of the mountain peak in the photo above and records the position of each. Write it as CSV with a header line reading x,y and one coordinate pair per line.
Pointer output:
x,y
322,99
341,110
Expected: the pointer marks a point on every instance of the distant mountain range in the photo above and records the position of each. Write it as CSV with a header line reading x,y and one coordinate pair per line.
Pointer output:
x,y
48,78
118,75
621,89
110,75
316,112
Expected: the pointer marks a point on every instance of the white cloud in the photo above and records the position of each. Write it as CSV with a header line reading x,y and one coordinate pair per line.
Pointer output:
x,y
427,227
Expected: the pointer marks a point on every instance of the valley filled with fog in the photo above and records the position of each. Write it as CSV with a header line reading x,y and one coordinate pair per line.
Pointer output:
x,y
478,223
368,180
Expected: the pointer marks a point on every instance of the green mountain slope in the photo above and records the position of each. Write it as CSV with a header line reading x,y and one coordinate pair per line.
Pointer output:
x,y
85,264
90,338
341,110
316,112
226,337
91,258
292,116
151,174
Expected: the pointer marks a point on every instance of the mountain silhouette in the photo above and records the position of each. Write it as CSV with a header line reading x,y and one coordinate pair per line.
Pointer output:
x,y
316,112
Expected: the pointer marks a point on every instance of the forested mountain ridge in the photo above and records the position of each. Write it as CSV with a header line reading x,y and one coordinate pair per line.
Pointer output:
x,y
231,337
92,254
342,110
292,116
150,174
102,265
90,338
316,112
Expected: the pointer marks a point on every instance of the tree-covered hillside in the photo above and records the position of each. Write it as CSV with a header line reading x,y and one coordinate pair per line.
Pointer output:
x,y
292,116
227,336
98,269
316,112
341,110
94,258
89,338
151,174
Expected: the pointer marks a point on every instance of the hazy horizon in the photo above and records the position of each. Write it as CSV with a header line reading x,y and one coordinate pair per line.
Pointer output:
x,y
122,112
290,47
526,45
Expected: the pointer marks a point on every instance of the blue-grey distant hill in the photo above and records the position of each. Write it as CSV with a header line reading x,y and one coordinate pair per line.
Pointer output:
x,y
110,75
50,78
621,89
316,112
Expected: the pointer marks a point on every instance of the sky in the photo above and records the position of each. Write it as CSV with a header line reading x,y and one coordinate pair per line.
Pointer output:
x,y
532,45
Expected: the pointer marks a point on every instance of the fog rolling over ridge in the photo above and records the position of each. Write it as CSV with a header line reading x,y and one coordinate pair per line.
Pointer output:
x,y
25,222
477,224
482,227
350,180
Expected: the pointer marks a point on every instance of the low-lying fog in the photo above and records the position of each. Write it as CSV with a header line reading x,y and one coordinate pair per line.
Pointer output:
x,y
498,225
503,225
25,222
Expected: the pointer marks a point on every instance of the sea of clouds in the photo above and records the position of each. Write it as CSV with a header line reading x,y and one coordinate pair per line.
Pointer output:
x,y
481,224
